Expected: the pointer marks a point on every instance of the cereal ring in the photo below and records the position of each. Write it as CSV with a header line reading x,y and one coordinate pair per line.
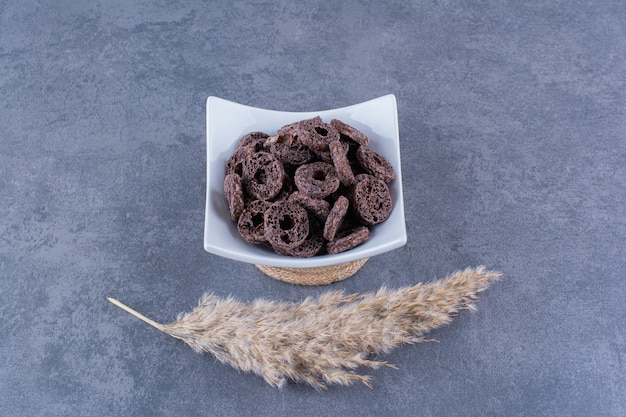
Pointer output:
x,y
286,224
251,224
295,154
316,134
375,164
263,175
338,153
335,217
350,132
308,248
317,179
288,134
348,240
234,195
255,139
234,165
311,245
316,206
370,199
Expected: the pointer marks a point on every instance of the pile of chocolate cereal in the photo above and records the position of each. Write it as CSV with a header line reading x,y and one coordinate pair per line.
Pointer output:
x,y
312,188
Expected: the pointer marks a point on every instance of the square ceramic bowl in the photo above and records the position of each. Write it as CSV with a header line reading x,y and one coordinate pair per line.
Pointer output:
x,y
227,122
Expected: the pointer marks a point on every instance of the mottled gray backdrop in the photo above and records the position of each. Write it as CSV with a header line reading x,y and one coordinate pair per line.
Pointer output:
x,y
513,137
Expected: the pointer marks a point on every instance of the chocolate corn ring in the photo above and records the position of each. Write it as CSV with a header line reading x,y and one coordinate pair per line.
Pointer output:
x,y
317,206
251,223
233,192
311,245
335,217
375,164
317,179
316,134
286,224
339,155
370,199
263,175
350,132
235,162
288,134
295,153
348,240
255,139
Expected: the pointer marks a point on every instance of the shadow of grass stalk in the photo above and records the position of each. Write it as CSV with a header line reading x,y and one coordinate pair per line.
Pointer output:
x,y
321,341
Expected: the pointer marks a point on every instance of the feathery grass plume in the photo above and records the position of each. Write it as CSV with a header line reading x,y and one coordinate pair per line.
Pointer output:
x,y
321,341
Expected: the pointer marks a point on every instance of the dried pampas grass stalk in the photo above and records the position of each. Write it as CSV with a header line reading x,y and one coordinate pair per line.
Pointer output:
x,y
321,341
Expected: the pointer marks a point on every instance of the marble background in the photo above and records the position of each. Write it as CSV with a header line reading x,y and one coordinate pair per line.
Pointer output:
x,y
512,122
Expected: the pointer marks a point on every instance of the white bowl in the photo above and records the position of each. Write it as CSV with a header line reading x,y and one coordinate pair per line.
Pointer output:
x,y
227,122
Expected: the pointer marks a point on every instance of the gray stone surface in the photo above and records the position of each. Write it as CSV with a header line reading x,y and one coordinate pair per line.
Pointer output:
x,y
512,121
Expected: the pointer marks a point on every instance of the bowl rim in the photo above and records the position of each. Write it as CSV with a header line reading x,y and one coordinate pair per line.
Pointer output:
x,y
264,256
